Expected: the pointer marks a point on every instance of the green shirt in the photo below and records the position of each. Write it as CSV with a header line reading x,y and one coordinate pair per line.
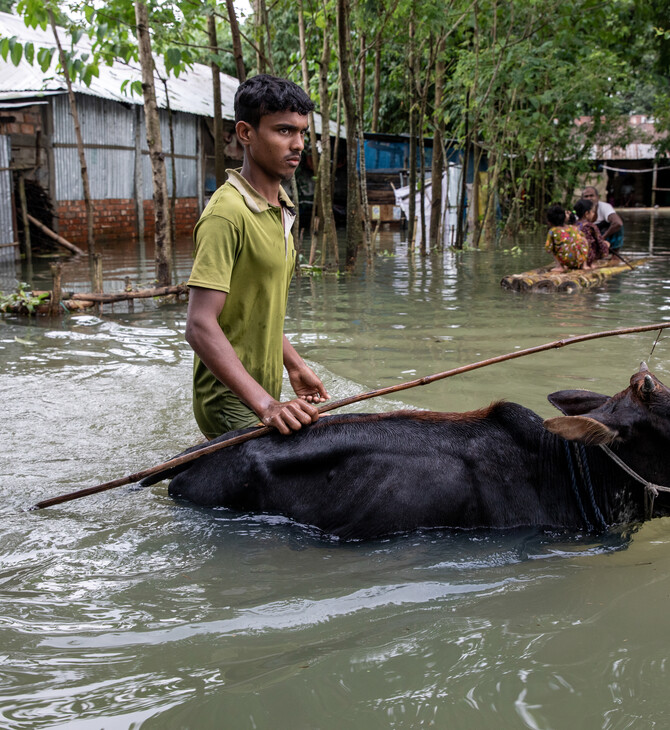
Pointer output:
x,y
243,246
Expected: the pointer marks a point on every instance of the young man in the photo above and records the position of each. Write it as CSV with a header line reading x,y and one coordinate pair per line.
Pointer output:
x,y
607,219
244,261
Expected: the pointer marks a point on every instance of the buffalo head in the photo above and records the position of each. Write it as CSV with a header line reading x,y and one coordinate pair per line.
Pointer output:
x,y
642,410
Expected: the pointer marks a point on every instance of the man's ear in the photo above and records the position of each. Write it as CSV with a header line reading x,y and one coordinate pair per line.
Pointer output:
x,y
243,131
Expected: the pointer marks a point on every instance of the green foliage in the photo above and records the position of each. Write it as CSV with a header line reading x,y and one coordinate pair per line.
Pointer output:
x,y
22,301
517,74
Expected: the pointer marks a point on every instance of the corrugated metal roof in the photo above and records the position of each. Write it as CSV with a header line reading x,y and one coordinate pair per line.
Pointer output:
x,y
190,92
642,147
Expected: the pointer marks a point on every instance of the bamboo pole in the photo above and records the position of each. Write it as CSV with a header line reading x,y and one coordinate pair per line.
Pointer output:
x,y
265,430
59,239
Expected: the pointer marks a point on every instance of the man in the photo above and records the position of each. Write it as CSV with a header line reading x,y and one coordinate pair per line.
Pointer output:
x,y
607,219
244,262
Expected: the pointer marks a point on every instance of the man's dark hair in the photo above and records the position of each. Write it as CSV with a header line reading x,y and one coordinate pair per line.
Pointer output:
x,y
556,215
264,94
583,206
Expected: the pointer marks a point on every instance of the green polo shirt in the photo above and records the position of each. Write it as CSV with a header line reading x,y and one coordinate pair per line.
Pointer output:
x,y
244,247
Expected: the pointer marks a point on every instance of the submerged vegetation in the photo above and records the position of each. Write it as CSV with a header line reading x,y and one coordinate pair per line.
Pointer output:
x,y
22,301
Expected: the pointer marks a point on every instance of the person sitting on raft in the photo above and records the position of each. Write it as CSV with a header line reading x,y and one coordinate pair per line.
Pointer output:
x,y
564,241
607,219
599,248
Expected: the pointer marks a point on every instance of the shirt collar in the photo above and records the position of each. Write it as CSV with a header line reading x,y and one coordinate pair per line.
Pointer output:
x,y
254,200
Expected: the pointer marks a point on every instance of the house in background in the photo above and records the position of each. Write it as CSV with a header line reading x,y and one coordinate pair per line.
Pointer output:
x,y
632,176
35,117
37,135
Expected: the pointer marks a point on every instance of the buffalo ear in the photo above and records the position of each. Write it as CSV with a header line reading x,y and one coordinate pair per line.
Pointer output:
x,y
576,402
580,428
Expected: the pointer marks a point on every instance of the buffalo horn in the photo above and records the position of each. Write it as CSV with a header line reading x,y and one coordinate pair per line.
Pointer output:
x,y
643,367
648,386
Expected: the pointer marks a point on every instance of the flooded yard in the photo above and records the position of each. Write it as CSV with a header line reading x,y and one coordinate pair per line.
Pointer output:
x,y
126,609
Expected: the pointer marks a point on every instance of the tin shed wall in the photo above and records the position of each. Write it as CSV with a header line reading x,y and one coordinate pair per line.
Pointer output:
x,y
7,234
108,131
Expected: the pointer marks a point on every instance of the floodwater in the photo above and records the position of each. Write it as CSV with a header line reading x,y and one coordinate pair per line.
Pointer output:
x,y
125,609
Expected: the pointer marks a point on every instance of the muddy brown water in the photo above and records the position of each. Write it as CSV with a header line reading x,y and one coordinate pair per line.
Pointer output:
x,y
127,610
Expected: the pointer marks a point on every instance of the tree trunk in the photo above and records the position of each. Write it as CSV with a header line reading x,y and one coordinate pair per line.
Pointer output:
x,y
377,82
353,234
422,183
219,156
314,153
336,144
436,235
361,78
460,232
162,236
324,179
88,205
237,41
262,33
367,224
412,141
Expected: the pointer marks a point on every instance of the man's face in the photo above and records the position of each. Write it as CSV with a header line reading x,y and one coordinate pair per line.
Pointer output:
x,y
274,148
590,194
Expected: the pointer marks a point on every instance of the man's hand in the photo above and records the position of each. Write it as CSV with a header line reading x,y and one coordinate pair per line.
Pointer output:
x,y
290,416
307,385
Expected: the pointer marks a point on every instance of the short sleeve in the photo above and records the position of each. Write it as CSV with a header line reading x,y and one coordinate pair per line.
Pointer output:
x,y
217,243
608,210
549,243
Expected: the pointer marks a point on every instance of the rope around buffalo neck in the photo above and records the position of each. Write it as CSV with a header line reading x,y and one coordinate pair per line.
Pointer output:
x,y
651,490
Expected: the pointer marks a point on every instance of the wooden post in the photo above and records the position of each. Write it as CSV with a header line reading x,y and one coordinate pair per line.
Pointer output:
x,y
56,290
129,288
97,277
26,223
654,178
97,273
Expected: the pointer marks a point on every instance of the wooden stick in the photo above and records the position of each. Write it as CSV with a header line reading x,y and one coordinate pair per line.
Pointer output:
x,y
619,256
26,225
161,291
59,239
263,431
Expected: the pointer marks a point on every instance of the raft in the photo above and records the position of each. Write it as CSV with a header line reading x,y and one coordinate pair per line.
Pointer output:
x,y
543,279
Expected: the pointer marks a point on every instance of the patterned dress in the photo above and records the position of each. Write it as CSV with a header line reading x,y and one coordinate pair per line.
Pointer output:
x,y
568,245
598,246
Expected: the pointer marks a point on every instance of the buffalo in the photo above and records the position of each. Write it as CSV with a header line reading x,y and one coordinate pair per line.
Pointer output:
x,y
362,476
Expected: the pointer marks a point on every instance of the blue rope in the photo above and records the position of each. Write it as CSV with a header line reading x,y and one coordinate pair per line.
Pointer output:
x,y
589,486
575,488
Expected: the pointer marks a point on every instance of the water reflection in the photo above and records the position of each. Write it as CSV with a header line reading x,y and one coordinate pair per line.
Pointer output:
x,y
126,608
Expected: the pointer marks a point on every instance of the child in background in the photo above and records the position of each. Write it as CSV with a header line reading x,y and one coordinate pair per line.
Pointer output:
x,y
565,242
586,214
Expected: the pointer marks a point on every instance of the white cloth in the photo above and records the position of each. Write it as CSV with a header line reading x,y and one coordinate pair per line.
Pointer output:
x,y
451,184
605,210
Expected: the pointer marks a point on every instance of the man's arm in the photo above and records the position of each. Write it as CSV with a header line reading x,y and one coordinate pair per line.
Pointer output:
x,y
211,345
615,224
